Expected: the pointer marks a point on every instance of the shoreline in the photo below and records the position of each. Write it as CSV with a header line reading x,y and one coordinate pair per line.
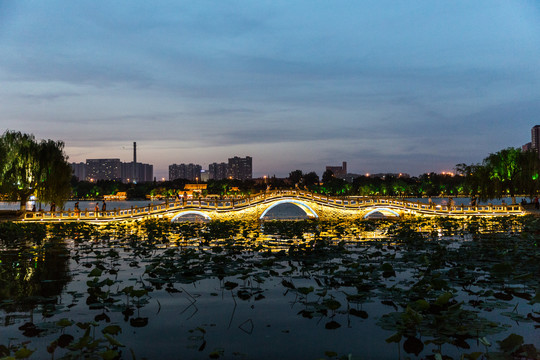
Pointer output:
x,y
10,215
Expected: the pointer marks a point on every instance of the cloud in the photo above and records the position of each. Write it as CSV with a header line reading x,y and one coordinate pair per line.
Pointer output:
x,y
377,82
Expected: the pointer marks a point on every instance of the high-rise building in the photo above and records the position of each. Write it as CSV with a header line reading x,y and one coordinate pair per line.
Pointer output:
x,y
218,171
240,168
143,172
79,170
535,139
338,171
103,169
112,169
191,172
205,175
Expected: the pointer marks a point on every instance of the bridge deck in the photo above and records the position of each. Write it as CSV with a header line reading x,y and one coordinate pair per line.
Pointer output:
x,y
360,204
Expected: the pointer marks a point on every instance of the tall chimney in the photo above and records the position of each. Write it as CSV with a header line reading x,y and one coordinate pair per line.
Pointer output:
x,y
134,162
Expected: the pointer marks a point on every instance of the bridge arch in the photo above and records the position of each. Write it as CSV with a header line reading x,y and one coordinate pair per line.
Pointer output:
x,y
190,212
382,210
305,207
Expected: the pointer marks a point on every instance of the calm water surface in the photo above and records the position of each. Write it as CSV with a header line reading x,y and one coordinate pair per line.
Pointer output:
x,y
236,303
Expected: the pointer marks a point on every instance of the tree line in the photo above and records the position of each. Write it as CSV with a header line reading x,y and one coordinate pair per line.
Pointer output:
x,y
30,167
509,172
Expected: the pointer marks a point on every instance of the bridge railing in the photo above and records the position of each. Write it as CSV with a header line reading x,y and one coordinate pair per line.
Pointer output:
x,y
229,204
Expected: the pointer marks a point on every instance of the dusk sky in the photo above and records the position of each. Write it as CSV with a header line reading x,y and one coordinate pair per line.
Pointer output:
x,y
388,86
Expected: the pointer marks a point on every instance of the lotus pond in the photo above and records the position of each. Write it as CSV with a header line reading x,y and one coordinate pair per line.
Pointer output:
x,y
368,289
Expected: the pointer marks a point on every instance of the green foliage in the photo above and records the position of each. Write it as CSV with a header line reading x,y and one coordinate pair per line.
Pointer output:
x,y
19,168
13,233
511,343
23,353
508,172
295,177
310,179
54,173
29,167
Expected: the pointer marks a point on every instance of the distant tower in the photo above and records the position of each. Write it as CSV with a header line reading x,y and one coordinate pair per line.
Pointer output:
x,y
134,162
535,139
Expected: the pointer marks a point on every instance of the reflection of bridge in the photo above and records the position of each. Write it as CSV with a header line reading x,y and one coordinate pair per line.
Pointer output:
x,y
257,206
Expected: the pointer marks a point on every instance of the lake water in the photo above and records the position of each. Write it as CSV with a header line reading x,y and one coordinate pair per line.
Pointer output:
x,y
226,291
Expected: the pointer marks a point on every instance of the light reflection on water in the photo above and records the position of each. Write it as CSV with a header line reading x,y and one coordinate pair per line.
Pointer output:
x,y
270,327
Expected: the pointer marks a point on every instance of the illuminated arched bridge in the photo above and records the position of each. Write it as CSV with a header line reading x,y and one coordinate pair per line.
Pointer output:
x,y
257,206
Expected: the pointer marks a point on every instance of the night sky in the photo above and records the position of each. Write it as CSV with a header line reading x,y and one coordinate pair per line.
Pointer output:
x,y
388,86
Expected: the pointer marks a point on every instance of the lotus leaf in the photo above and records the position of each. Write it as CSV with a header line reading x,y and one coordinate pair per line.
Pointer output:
x,y
511,343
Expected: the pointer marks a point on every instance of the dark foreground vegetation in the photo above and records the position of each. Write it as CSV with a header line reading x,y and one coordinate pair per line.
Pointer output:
x,y
433,288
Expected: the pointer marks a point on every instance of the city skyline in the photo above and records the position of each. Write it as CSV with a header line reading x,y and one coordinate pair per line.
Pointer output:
x,y
410,87
213,171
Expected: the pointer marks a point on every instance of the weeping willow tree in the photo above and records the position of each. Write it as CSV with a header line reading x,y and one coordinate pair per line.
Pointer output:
x,y
18,166
54,173
28,167
509,172
504,172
